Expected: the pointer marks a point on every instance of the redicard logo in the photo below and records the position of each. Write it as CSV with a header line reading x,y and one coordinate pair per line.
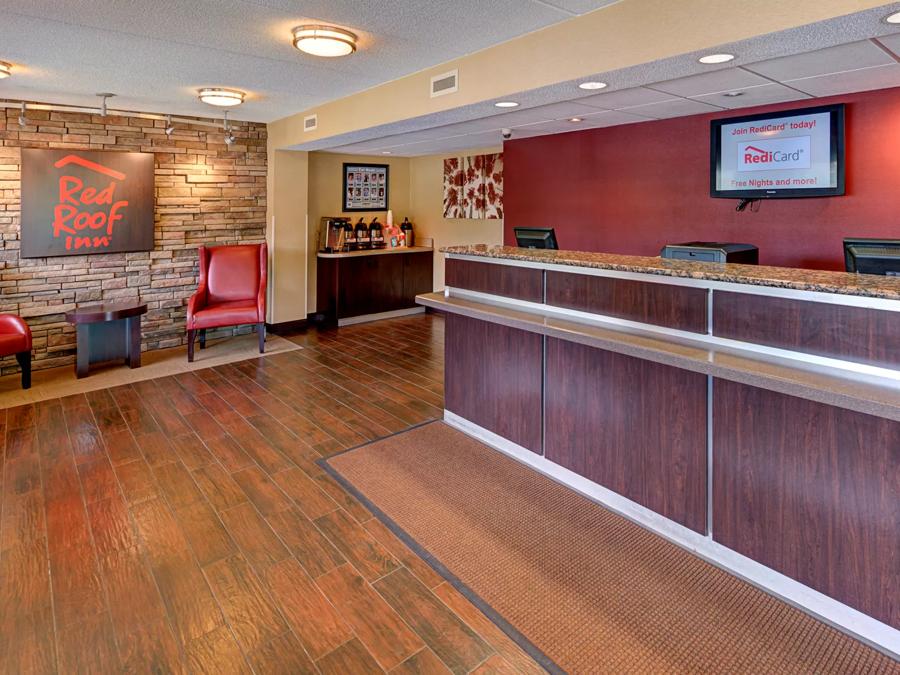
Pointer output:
x,y
85,215
774,153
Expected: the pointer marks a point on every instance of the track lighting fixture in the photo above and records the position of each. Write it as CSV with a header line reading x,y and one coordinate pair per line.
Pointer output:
x,y
104,96
169,126
229,137
23,121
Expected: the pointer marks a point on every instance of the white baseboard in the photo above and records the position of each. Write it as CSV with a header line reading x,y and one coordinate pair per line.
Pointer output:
x,y
871,631
365,318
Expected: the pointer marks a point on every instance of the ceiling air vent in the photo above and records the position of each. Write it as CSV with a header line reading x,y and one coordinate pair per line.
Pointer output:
x,y
445,83
310,123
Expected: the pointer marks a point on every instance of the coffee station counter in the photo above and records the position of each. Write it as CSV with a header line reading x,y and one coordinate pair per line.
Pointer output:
x,y
358,286
377,251
749,414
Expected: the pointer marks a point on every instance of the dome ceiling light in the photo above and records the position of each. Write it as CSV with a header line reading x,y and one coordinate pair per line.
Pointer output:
x,y
221,97
712,59
327,41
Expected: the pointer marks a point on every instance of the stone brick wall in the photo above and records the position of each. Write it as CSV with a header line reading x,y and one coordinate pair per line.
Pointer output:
x,y
206,193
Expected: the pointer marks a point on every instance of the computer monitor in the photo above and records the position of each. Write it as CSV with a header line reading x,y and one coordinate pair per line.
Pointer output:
x,y
872,256
536,237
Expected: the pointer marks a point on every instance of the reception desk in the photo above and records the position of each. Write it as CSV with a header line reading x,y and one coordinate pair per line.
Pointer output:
x,y
750,414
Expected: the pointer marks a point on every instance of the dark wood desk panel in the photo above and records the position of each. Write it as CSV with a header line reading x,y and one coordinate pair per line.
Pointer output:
x,y
522,283
840,331
633,426
812,491
493,377
666,305
361,284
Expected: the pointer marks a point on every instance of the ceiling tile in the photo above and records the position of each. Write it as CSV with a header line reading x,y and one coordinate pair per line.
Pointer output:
x,y
624,98
675,108
851,56
727,79
578,6
892,42
865,79
770,93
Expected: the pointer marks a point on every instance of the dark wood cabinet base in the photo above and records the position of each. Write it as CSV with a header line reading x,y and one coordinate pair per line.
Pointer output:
x,y
362,284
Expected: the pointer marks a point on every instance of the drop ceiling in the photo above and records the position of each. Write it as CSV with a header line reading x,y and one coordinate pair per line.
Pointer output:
x,y
844,68
155,54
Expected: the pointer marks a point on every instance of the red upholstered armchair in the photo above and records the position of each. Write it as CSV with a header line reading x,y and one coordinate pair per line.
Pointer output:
x,y
15,338
232,292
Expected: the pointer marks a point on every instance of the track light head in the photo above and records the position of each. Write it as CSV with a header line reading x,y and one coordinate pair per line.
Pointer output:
x,y
226,127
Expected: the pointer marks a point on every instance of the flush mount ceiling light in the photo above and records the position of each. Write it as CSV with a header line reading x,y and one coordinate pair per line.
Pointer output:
x,y
893,18
5,70
592,85
327,41
712,59
221,97
575,119
506,104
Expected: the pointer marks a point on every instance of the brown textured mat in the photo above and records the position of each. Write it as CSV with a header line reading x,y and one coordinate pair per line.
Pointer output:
x,y
591,590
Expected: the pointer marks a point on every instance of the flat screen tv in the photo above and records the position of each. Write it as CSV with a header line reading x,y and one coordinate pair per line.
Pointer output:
x,y
792,153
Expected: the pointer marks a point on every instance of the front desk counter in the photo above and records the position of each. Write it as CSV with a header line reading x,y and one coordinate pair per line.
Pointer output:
x,y
750,414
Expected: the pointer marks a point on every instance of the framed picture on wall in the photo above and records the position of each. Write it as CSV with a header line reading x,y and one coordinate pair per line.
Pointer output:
x,y
366,187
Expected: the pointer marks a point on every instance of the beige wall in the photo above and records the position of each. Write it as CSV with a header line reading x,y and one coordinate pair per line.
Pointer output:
x,y
288,182
326,199
426,199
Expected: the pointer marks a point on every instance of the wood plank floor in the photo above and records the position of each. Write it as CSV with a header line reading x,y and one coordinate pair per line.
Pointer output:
x,y
183,525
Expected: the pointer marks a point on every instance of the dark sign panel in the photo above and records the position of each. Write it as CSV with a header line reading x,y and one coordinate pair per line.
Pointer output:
x,y
76,202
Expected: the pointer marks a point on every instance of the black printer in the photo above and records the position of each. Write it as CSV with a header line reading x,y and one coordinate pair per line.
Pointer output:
x,y
712,251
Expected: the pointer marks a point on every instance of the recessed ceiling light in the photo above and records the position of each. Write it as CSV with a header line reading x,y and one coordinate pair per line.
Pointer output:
x,y
385,152
506,104
592,85
733,94
221,97
5,70
711,59
893,18
328,41
575,119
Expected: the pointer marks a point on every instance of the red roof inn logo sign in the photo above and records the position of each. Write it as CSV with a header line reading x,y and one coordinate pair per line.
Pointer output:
x,y
79,202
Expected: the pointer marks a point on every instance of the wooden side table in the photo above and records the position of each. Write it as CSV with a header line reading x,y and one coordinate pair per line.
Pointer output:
x,y
108,331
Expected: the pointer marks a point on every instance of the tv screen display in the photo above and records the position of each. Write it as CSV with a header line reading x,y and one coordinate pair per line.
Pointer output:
x,y
795,153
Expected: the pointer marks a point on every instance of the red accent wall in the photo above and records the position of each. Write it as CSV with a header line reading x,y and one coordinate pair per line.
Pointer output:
x,y
631,189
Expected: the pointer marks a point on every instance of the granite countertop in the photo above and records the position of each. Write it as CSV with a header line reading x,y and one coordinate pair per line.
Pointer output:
x,y
867,285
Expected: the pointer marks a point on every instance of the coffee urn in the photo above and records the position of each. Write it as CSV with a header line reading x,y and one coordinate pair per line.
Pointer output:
x,y
362,236
376,234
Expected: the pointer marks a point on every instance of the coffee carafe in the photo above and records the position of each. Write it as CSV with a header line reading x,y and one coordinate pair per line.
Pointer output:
x,y
362,236
407,229
350,243
376,234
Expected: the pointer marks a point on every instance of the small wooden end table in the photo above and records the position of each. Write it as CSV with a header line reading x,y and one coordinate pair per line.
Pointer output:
x,y
108,331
